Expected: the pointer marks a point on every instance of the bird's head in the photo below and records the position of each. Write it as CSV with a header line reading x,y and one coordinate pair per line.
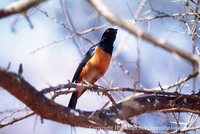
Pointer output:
x,y
107,40
109,35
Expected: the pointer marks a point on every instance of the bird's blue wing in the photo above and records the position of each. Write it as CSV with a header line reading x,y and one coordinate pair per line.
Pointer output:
x,y
84,61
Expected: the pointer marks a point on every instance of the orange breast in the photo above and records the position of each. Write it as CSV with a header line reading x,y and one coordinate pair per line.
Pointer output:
x,y
96,66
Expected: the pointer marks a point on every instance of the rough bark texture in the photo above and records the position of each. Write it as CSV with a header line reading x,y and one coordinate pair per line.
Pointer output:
x,y
131,106
47,109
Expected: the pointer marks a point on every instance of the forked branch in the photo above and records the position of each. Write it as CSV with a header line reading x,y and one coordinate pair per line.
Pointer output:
x,y
112,18
132,106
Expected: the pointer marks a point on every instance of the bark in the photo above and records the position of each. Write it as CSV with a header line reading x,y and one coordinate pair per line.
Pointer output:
x,y
130,107
19,7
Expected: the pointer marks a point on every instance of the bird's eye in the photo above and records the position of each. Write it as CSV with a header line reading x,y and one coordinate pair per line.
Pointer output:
x,y
107,31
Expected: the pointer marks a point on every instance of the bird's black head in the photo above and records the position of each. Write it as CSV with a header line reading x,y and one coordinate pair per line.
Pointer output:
x,y
109,34
108,39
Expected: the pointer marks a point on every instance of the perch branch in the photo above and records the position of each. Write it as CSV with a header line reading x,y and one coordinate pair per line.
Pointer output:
x,y
132,106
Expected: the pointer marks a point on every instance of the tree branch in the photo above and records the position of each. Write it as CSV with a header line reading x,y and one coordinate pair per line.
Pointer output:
x,y
19,7
112,18
16,120
46,108
130,107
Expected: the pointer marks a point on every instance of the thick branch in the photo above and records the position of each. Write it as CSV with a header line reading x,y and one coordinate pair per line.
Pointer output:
x,y
112,18
132,106
46,108
19,7
137,105
22,90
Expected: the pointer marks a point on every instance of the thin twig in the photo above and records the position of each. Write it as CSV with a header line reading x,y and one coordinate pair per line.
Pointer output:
x,y
14,112
112,18
179,82
16,120
73,32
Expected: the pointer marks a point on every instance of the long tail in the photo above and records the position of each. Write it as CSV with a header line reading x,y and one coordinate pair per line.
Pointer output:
x,y
73,100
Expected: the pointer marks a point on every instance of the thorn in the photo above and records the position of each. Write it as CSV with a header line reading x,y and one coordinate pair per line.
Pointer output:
x,y
20,70
28,20
176,92
162,89
198,94
42,120
8,67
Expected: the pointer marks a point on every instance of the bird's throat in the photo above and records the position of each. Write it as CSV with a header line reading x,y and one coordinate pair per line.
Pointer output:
x,y
107,46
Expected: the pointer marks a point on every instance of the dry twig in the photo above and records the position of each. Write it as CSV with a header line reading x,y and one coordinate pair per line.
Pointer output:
x,y
112,18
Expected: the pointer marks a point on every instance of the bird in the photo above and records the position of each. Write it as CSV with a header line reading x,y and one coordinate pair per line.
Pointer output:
x,y
94,64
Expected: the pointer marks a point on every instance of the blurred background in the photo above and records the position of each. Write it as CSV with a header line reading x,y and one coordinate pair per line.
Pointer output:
x,y
50,54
